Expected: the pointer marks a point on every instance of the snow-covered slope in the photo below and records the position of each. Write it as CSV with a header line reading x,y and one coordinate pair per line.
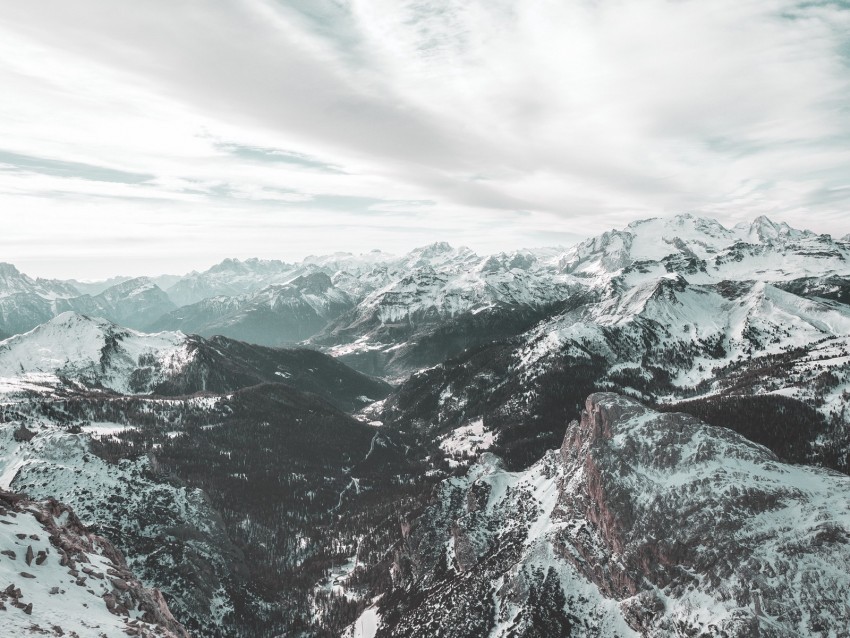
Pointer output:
x,y
642,524
93,352
158,525
63,580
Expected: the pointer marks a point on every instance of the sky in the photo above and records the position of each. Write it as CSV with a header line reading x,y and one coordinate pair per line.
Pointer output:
x,y
159,136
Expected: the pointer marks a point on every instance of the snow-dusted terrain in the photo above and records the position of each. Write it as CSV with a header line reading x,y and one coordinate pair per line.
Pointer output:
x,y
641,524
263,488
136,505
92,352
62,580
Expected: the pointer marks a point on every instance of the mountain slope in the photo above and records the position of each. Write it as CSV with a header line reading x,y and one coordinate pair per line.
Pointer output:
x,y
64,580
93,352
659,321
641,524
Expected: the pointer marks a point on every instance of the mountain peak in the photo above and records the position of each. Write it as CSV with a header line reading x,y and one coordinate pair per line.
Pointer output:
x,y
764,229
436,248
7,269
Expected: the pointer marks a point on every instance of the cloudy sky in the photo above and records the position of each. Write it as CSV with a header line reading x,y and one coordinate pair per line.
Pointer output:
x,y
160,136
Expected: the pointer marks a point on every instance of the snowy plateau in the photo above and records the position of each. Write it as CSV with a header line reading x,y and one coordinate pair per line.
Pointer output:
x,y
645,434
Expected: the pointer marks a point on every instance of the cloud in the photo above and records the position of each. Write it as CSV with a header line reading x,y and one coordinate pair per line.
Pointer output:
x,y
498,122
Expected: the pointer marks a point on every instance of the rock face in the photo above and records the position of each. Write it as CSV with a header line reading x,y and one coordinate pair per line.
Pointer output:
x,y
697,517
74,582
643,523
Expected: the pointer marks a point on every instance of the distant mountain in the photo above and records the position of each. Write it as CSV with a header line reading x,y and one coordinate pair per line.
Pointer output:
x,y
26,303
96,287
280,314
134,303
642,524
707,251
437,301
14,282
231,278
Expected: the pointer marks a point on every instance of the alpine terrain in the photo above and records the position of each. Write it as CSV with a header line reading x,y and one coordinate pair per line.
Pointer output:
x,y
644,434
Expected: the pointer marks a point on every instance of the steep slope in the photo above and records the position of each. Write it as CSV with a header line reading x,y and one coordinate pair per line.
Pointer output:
x,y
277,315
64,580
160,526
641,524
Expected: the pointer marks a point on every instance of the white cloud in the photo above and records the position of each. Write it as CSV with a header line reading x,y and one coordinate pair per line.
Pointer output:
x,y
493,123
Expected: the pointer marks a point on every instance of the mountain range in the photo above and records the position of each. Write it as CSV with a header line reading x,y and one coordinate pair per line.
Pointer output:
x,y
643,434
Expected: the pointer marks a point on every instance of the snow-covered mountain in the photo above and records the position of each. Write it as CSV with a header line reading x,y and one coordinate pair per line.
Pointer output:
x,y
92,352
708,251
642,524
134,303
437,301
276,315
670,310
313,476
